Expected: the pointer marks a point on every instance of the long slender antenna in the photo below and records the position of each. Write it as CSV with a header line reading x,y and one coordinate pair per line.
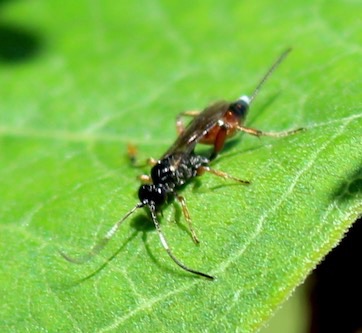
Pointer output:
x,y
168,250
266,76
98,247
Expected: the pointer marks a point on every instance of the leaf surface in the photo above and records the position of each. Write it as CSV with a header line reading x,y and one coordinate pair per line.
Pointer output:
x,y
102,75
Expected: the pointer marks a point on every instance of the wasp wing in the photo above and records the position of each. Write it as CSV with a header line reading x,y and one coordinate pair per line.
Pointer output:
x,y
198,127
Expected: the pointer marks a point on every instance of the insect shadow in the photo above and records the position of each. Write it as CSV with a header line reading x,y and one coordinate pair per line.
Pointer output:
x,y
105,263
141,225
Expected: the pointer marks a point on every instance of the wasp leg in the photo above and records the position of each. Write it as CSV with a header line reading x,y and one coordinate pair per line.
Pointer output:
x,y
145,179
186,213
151,161
180,126
219,142
221,174
132,153
258,133
132,156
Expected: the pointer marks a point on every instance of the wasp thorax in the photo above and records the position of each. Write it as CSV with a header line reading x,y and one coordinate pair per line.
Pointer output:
x,y
162,172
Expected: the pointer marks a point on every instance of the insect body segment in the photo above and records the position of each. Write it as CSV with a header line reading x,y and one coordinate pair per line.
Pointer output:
x,y
228,122
226,127
180,164
168,174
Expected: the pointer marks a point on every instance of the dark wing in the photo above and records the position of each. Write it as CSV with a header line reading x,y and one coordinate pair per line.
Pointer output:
x,y
197,128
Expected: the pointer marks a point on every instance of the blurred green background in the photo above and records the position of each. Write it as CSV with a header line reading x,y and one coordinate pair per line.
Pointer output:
x,y
79,80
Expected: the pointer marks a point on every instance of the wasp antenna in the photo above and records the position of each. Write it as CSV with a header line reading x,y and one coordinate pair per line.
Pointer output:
x,y
98,247
168,250
266,76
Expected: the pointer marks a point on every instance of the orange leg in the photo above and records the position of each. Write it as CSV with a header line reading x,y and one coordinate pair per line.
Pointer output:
x,y
221,174
257,132
145,179
132,155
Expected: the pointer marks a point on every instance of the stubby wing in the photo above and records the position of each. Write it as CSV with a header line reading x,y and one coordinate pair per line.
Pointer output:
x,y
197,128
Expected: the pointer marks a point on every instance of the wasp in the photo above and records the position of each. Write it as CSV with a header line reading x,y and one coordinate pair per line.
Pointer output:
x,y
180,164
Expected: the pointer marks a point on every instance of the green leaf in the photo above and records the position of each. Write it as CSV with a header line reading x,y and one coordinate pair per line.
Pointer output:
x,y
94,77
